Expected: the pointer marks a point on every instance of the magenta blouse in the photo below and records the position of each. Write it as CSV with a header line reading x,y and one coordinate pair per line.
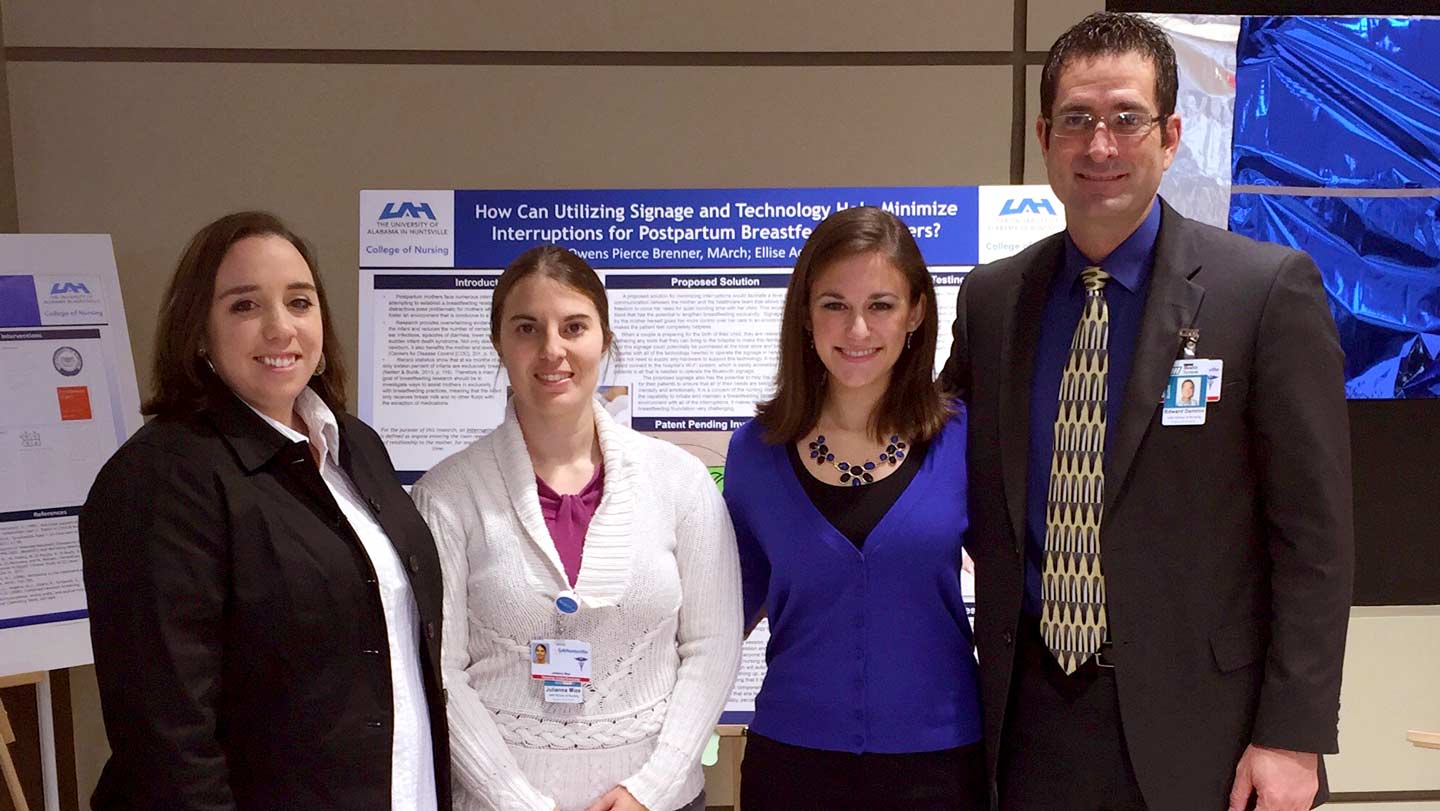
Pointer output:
x,y
568,518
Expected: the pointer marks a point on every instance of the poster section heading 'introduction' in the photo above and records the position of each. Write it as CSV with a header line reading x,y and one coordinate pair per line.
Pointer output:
x,y
696,280
68,401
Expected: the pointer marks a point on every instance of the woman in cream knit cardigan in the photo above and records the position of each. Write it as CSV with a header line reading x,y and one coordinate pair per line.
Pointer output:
x,y
560,506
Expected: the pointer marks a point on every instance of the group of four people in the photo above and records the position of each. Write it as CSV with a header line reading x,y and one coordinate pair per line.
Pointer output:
x,y
277,625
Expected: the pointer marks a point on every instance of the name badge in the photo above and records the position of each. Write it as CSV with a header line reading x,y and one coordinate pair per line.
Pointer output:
x,y
563,667
1214,370
1187,392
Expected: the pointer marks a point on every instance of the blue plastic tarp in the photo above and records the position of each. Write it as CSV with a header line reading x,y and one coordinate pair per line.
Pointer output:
x,y
1350,105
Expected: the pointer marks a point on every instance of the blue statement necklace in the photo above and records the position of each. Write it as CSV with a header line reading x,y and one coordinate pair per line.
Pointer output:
x,y
857,474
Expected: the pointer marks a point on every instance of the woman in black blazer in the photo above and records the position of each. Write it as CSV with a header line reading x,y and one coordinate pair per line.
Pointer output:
x,y
264,598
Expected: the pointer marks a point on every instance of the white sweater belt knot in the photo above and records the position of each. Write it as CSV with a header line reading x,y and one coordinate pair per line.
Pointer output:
x,y
547,733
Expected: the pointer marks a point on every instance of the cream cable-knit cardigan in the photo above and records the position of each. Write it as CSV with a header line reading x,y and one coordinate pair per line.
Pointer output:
x,y
659,588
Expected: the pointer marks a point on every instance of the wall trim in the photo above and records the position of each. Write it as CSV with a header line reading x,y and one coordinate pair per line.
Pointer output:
x,y
1384,796
347,56
9,202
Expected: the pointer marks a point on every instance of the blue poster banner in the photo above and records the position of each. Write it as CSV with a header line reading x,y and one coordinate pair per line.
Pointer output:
x,y
698,228
19,306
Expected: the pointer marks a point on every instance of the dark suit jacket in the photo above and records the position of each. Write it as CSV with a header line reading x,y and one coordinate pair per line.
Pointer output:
x,y
239,639
1228,588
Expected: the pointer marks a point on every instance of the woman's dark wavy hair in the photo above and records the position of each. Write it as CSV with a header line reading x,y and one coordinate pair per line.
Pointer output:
x,y
181,381
914,404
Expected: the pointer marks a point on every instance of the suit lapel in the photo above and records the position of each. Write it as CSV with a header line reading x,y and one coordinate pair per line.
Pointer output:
x,y
257,445
1172,304
1021,332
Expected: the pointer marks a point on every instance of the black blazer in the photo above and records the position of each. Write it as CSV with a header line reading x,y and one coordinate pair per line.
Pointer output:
x,y
239,638
1228,585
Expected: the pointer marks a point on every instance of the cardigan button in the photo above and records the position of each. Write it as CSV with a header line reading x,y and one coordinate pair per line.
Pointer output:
x,y
429,630
1009,639
414,564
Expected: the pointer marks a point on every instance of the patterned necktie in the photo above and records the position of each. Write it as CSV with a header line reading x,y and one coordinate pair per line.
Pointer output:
x,y
1072,591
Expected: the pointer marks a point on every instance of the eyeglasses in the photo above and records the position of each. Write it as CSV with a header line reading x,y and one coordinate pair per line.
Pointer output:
x,y
1123,124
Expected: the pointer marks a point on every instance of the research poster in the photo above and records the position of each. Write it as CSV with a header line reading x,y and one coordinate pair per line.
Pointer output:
x,y
696,280
69,400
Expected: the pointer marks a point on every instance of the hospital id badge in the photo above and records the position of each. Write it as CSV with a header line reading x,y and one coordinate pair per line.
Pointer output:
x,y
1214,370
1186,393
563,666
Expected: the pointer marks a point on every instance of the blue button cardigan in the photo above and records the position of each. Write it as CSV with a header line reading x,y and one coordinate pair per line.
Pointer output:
x,y
869,651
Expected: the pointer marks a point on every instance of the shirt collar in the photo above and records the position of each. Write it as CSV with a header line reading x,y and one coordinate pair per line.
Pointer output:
x,y
1128,264
319,421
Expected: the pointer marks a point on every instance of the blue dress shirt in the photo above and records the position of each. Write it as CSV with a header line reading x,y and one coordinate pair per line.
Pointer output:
x,y
1129,268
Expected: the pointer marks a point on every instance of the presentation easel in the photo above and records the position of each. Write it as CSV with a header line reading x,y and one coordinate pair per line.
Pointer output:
x,y
737,754
7,737
62,322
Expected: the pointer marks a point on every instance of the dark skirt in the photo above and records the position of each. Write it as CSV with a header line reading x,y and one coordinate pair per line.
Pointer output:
x,y
776,776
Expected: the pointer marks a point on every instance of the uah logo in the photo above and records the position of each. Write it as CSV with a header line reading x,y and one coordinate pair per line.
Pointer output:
x,y
61,288
1026,205
395,211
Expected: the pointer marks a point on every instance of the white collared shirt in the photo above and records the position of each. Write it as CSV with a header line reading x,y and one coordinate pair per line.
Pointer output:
x,y
412,781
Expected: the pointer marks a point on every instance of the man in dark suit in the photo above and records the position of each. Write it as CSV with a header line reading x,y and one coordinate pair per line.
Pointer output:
x,y
1147,641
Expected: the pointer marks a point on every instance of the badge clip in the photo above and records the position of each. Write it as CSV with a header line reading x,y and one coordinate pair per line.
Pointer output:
x,y
1191,337
566,602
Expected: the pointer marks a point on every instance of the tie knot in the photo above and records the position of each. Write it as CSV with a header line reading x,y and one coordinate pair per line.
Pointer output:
x,y
1093,278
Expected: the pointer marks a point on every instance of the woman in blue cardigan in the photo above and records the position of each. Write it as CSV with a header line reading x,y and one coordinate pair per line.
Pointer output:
x,y
848,495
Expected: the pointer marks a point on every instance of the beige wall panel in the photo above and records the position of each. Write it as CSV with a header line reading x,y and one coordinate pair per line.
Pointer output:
x,y
149,153
1047,19
1392,667
645,25
91,748
1034,160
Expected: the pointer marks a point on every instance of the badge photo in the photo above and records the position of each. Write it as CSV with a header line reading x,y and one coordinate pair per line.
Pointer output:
x,y
562,660
1185,393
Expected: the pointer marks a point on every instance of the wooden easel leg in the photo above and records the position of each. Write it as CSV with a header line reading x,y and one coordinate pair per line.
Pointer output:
x,y
739,751
7,765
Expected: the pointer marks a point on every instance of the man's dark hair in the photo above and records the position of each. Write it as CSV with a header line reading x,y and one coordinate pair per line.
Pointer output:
x,y
1105,33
